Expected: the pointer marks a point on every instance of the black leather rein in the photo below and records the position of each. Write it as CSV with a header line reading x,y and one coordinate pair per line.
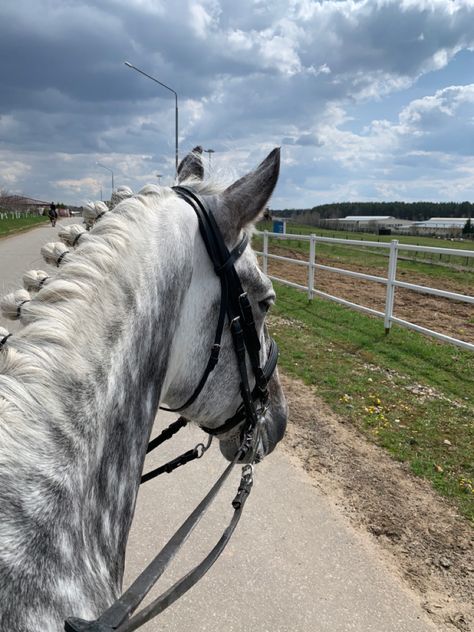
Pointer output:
x,y
236,306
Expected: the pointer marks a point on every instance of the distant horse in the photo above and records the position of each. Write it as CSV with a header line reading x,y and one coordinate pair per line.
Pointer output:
x,y
125,324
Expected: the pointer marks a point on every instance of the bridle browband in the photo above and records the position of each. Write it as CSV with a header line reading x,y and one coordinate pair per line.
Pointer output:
x,y
236,306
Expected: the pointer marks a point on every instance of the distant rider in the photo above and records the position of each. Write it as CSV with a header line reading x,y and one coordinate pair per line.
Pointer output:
x,y
53,214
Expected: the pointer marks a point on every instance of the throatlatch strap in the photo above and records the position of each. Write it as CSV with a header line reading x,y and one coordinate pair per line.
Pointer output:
x,y
223,264
214,356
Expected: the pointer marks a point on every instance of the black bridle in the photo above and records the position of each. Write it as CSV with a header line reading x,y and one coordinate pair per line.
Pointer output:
x,y
236,306
249,416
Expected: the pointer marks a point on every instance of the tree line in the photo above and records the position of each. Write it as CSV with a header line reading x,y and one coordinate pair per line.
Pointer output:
x,y
414,211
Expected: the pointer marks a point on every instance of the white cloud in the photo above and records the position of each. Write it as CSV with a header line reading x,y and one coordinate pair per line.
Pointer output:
x,y
201,20
248,75
433,110
12,171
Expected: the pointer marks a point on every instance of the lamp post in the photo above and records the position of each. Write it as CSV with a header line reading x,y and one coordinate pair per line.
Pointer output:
x,y
175,107
159,176
108,169
209,151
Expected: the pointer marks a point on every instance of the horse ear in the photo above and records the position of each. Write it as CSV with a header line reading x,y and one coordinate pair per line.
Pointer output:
x,y
191,166
244,200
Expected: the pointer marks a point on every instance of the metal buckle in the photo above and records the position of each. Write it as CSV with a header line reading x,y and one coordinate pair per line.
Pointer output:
x,y
201,449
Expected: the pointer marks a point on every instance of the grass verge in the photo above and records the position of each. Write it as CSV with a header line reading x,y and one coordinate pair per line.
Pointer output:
x,y
10,226
405,392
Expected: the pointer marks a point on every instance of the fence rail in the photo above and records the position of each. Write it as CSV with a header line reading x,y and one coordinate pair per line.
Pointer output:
x,y
390,281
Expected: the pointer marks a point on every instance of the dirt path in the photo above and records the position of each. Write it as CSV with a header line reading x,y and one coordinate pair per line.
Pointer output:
x,y
420,533
453,318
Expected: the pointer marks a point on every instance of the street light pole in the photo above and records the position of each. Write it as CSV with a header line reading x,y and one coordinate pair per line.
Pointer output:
x,y
209,151
108,169
175,106
159,176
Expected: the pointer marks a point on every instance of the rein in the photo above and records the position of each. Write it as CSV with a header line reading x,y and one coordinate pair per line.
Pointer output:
x,y
249,416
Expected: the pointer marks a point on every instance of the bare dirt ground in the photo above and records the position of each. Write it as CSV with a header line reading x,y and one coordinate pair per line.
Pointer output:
x,y
453,318
419,533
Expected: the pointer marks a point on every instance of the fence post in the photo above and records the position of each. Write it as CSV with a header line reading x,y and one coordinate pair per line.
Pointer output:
x,y
312,259
265,252
391,276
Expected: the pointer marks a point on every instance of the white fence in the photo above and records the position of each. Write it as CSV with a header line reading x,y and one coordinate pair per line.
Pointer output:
x,y
11,215
389,281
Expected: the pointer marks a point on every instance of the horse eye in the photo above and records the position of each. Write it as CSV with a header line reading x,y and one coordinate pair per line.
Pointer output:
x,y
265,305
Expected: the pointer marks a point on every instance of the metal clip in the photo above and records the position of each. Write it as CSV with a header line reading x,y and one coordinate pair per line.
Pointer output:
x,y
201,449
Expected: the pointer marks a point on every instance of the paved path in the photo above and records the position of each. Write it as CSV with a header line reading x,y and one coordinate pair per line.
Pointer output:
x,y
21,252
294,564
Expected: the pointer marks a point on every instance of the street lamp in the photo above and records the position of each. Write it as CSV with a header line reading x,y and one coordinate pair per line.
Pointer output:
x,y
159,176
209,151
175,107
108,169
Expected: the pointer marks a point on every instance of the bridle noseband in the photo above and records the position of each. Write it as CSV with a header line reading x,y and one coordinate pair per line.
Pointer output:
x,y
250,415
236,306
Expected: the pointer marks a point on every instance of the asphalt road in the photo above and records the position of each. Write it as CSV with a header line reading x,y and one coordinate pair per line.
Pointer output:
x,y
294,564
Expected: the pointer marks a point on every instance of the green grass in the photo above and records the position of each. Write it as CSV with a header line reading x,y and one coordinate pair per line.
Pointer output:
x,y
405,392
9,226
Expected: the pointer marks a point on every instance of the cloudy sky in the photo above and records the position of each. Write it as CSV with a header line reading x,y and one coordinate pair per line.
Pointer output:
x,y
369,99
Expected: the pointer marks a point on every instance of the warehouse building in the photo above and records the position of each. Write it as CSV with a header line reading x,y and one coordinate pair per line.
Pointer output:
x,y
441,226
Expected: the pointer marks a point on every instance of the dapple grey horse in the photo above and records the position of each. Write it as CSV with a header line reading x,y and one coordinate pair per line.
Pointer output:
x,y
125,324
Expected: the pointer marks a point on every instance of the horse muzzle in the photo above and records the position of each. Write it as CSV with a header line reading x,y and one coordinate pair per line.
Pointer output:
x,y
271,432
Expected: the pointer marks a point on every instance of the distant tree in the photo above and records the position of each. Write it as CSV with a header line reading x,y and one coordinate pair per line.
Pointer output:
x,y
6,200
468,228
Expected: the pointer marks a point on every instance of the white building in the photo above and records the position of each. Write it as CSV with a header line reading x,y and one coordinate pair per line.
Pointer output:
x,y
441,226
361,222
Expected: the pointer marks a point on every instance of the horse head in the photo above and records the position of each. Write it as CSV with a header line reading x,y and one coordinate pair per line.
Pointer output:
x,y
235,210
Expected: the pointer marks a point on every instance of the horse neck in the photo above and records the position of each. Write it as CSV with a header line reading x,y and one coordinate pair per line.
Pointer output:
x,y
83,414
